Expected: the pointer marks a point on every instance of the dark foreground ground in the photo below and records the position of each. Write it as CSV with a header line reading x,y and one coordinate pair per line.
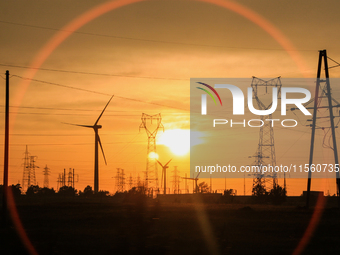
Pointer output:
x,y
104,227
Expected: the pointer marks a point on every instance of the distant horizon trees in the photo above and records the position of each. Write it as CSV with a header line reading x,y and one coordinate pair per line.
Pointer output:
x,y
276,195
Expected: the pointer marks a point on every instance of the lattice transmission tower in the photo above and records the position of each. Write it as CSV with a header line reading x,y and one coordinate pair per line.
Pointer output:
x,y
265,154
67,179
130,182
26,182
120,180
46,174
151,124
29,171
176,179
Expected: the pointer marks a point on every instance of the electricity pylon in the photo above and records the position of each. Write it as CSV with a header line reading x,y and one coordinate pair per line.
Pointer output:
x,y
46,174
29,171
151,173
176,181
130,182
26,179
265,154
120,180
324,86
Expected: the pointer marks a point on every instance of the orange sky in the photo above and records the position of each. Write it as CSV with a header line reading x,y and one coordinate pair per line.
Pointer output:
x,y
167,41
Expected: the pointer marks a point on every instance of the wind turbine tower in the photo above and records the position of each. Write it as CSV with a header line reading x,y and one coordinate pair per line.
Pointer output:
x,y
97,142
164,173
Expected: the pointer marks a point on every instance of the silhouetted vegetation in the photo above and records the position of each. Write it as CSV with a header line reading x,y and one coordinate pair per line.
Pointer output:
x,y
35,190
88,192
135,194
277,195
259,189
67,191
203,187
16,190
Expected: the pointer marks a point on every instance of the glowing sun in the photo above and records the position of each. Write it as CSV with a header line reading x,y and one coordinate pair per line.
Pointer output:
x,y
178,140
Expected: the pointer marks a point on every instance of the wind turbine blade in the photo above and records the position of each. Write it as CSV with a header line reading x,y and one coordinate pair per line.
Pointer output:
x,y
103,111
77,125
167,163
100,143
160,163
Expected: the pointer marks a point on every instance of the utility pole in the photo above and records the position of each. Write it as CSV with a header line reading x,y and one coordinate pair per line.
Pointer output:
x,y
186,184
327,89
64,178
244,184
5,181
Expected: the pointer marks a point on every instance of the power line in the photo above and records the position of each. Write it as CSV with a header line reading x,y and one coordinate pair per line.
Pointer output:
x,y
60,85
92,73
337,63
66,144
146,40
64,134
72,114
96,92
70,109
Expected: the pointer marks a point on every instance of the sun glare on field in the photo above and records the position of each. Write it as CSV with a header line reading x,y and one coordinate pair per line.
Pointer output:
x,y
178,141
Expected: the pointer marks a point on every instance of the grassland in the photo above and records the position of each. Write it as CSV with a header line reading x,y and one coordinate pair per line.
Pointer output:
x,y
144,227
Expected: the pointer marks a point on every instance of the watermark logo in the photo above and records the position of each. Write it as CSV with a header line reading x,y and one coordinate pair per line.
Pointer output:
x,y
238,119
204,97
238,99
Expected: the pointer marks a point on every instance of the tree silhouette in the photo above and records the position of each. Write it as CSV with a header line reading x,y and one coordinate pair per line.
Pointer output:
x,y
88,191
259,189
16,190
203,187
278,194
67,191
33,190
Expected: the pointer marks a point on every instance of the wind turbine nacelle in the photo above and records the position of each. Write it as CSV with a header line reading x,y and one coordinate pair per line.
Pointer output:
x,y
99,126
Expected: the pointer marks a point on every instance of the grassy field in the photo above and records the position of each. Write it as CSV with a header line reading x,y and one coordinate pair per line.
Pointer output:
x,y
104,227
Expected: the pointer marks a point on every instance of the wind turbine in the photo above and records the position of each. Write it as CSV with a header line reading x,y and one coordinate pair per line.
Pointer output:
x,y
195,182
164,173
97,141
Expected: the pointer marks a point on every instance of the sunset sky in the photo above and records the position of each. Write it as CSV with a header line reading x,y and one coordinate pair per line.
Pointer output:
x,y
145,54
